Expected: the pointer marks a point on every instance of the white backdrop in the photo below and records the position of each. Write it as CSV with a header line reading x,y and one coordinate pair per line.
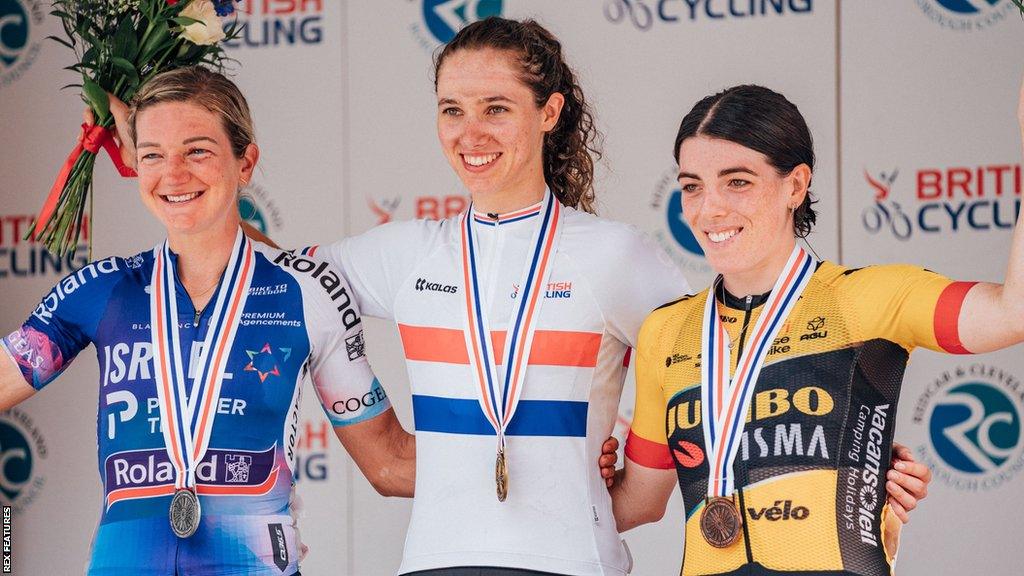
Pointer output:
x,y
911,105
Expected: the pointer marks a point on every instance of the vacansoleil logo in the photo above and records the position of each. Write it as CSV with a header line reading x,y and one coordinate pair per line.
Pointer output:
x,y
973,424
18,49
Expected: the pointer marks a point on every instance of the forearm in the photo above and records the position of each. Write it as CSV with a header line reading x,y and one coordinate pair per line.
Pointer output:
x,y
384,452
397,475
640,495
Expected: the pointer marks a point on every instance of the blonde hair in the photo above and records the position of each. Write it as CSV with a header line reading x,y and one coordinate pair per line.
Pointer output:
x,y
206,88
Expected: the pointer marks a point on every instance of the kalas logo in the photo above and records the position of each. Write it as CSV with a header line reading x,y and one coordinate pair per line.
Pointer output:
x,y
21,449
950,200
18,50
644,14
266,23
674,235
973,419
444,18
967,15
22,258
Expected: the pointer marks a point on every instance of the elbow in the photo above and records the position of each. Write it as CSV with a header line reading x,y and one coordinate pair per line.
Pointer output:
x,y
388,485
653,514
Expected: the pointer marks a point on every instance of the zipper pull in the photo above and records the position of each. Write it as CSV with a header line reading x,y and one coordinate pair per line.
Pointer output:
x,y
195,321
750,298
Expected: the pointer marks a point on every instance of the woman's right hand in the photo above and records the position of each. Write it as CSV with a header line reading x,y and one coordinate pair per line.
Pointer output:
x,y
120,112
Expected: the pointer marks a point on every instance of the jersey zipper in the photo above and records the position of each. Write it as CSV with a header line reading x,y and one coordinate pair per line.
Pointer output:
x,y
746,324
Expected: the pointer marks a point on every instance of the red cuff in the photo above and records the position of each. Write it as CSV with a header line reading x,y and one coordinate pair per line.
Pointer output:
x,y
648,454
947,317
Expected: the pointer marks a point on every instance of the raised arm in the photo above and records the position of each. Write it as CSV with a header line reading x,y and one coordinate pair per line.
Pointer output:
x,y
13,388
992,315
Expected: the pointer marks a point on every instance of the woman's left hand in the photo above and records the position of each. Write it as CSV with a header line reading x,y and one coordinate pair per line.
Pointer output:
x,y
907,482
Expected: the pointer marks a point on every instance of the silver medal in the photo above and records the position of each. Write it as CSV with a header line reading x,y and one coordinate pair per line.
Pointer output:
x,y
185,513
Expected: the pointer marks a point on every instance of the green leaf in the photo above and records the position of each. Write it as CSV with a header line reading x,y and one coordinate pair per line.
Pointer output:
x,y
66,86
61,41
186,21
127,68
155,42
97,98
126,45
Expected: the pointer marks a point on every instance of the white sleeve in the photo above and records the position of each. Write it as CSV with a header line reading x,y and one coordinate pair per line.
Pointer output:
x,y
379,260
344,382
632,278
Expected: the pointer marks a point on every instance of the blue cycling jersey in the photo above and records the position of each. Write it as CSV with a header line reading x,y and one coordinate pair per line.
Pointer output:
x,y
299,322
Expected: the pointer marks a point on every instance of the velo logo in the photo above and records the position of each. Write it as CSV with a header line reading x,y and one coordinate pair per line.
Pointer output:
x,y
18,21
967,15
972,417
21,448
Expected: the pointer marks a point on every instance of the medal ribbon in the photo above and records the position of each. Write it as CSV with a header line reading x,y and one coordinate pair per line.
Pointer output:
x,y
499,405
188,418
725,401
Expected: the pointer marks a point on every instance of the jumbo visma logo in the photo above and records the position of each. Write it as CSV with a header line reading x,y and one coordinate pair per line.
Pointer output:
x,y
975,428
971,417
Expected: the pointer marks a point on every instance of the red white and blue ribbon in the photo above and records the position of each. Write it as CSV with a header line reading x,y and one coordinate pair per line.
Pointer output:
x,y
187,414
499,401
725,401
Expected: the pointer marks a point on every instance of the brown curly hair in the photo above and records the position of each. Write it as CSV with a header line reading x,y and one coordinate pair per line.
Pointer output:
x,y
570,148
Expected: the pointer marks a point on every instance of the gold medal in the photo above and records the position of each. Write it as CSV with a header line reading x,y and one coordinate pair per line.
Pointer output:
x,y
501,476
720,522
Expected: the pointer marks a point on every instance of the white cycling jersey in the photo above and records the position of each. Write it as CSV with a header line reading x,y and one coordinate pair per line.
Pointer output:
x,y
604,280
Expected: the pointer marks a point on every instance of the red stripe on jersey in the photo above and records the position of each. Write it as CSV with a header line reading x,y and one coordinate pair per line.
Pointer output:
x,y
648,454
550,347
947,317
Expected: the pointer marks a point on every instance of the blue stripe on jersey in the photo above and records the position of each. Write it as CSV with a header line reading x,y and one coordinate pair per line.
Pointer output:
x,y
532,417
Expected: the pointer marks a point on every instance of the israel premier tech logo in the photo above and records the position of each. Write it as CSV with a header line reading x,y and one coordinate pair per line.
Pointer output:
x,y
951,200
272,23
22,447
967,15
19,47
644,14
672,232
972,417
442,19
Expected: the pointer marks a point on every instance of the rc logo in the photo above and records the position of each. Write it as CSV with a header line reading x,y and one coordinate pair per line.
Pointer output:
x,y
967,15
672,233
257,208
19,46
442,19
972,417
22,447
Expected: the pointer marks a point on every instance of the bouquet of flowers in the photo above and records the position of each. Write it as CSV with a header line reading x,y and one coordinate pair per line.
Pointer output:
x,y
119,45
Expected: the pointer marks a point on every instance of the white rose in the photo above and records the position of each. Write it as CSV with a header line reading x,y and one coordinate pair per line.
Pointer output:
x,y
208,30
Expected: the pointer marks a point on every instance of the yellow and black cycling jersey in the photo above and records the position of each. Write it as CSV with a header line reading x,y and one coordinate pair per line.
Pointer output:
x,y
810,470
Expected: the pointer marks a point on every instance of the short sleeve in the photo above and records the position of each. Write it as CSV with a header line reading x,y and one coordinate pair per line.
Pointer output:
x,y
378,261
907,305
646,444
342,378
62,324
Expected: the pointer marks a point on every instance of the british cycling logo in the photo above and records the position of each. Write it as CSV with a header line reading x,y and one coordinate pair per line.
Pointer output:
x,y
383,208
673,234
644,14
272,23
19,44
22,447
256,206
21,258
971,417
945,201
967,15
440,20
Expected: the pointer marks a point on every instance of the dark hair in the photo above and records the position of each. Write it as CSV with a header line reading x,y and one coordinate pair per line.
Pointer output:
x,y
762,120
206,88
570,147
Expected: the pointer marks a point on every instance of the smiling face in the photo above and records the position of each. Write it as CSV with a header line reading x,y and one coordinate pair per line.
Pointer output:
x,y
738,207
188,176
490,128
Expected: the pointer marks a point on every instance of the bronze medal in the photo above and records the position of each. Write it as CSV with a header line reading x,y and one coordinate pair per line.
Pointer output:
x,y
185,513
720,522
501,476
